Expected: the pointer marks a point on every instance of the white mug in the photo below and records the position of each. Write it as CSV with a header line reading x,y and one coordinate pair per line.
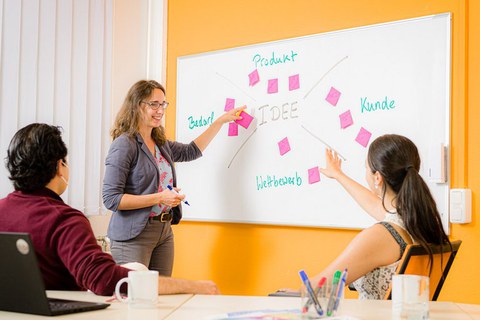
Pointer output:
x,y
142,289
410,295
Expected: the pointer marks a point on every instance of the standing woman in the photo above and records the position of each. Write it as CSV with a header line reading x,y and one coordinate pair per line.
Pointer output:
x,y
138,168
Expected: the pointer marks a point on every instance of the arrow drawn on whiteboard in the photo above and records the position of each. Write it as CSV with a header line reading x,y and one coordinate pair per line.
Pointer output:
x,y
244,142
231,82
316,84
324,143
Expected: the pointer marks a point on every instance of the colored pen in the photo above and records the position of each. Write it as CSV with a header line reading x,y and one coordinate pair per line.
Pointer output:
x,y
333,293
310,291
341,287
317,290
323,142
173,190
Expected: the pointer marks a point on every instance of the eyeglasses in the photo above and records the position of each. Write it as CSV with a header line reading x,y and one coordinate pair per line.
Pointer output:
x,y
155,104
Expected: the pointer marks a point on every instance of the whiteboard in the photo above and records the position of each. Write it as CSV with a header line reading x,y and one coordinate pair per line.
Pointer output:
x,y
392,77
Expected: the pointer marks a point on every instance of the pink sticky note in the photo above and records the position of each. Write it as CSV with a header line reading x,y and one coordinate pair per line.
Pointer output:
x,y
232,129
253,78
333,96
284,146
363,137
272,86
313,175
229,104
245,121
346,119
293,82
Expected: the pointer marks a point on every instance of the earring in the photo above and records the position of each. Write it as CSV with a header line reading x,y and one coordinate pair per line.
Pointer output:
x,y
376,185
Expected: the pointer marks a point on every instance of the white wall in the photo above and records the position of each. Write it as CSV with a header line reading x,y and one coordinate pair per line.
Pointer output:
x,y
139,33
139,41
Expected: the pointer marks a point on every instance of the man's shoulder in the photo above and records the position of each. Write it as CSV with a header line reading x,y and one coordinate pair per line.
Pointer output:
x,y
64,211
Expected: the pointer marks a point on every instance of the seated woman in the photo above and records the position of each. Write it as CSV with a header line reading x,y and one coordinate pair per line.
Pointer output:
x,y
400,199
68,253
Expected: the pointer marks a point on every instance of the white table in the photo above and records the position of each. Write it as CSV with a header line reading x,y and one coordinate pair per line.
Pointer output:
x,y
472,309
206,307
187,307
116,311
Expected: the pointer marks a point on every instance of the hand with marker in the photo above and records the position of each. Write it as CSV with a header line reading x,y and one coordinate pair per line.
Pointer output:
x,y
175,190
170,197
333,168
231,115
204,139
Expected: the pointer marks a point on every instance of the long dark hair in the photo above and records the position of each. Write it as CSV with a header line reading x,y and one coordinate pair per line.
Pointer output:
x,y
33,155
128,118
396,158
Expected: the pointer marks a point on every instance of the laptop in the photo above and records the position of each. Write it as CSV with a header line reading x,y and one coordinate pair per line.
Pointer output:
x,y
21,283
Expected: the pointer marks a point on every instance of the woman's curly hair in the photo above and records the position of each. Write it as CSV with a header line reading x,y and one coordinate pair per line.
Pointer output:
x,y
33,155
129,116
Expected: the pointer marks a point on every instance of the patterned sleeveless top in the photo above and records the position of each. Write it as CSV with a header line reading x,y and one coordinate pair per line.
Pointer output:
x,y
375,284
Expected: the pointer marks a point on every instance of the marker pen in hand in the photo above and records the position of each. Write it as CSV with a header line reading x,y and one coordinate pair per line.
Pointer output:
x,y
174,191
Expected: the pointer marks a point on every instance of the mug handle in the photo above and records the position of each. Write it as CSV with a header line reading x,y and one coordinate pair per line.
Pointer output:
x,y
118,296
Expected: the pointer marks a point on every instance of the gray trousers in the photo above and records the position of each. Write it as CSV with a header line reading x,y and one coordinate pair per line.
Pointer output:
x,y
153,247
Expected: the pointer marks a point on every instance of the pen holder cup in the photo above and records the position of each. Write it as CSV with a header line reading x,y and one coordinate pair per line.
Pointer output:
x,y
329,302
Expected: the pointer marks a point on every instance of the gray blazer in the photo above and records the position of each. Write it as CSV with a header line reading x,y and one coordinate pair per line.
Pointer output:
x,y
130,168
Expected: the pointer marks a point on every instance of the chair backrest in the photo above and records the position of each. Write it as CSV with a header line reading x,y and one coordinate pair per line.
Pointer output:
x,y
415,260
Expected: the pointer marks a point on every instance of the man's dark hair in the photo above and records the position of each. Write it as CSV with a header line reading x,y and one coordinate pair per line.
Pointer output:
x,y
33,154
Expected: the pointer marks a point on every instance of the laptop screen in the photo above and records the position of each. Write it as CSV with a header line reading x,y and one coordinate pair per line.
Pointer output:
x,y
22,288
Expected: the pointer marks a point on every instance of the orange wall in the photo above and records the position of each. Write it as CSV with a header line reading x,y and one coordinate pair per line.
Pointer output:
x,y
462,284
257,259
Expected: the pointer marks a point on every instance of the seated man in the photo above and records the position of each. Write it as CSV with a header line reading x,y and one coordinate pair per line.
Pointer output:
x,y
68,254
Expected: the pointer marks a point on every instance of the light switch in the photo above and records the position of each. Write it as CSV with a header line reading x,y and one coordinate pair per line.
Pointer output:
x,y
460,206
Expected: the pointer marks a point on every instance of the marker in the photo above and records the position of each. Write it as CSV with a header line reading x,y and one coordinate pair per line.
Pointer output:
x,y
310,291
174,191
341,287
323,142
333,293
317,290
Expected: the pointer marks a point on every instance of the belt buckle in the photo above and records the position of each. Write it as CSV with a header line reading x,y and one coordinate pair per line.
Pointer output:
x,y
167,216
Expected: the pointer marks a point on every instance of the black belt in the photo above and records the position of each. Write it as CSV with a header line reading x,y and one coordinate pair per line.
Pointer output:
x,y
163,217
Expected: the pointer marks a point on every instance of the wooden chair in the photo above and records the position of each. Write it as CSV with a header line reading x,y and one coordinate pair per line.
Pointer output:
x,y
415,260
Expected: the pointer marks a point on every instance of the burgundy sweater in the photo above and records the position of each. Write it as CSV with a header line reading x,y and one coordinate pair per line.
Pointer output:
x,y
67,251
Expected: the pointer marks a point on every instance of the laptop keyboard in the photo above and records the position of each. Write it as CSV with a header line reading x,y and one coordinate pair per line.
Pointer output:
x,y
66,306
